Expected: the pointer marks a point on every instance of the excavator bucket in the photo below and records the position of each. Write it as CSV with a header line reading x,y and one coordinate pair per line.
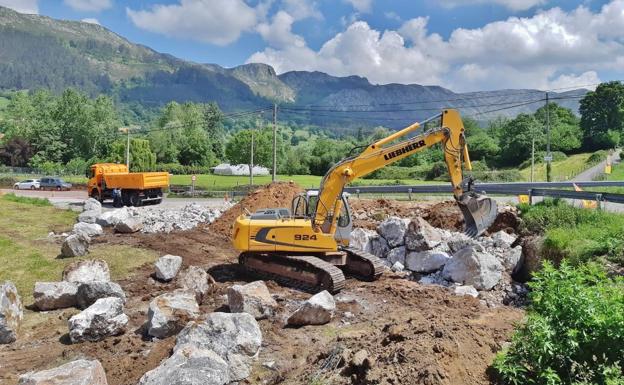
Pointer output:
x,y
479,212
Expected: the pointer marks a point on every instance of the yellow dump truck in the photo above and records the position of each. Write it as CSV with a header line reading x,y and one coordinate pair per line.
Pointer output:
x,y
136,188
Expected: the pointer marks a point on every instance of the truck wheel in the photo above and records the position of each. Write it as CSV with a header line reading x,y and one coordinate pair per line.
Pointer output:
x,y
134,199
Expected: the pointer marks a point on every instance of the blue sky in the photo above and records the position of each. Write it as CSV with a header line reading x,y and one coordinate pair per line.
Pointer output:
x,y
460,44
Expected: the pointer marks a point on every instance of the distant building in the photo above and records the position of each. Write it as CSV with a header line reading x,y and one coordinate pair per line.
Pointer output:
x,y
239,169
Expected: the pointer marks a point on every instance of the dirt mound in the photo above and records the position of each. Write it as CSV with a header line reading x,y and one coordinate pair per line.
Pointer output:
x,y
445,215
278,194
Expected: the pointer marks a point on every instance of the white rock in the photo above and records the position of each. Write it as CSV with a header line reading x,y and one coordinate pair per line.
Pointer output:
x,y
88,229
503,239
170,312
235,337
511,259
253,298
426,261
102,319
90,216
167,267
471,267
87,271
189,365
393,230
55,295
89,292
396,255
434,279
466,290
196,279
397,267
129,225
361,239
92,205
11,312
317,310
79,372
75,245
421,236
111,218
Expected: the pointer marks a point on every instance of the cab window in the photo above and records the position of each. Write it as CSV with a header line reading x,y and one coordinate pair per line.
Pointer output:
x,y
344,219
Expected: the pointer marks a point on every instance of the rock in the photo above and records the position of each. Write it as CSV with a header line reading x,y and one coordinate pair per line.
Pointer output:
x,y
253,298
458,241
166,220
102,319
472,267
361,360
89,292
317,310
466,290
167,267
532,253
379,247
87,271
196,279
397,255
235,337
503,239
393,230
90,216
55,295
88,229
111,218
92,205
434,279
129,225
170,312
11,312
426,261
76,245
189,365
79,372
361,239
421,236
511,259
397,267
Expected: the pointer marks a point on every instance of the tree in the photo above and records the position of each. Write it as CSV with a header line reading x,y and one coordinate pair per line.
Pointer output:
x,y
213,124
565,131
142,158
238,148
516,137
16,152
602,115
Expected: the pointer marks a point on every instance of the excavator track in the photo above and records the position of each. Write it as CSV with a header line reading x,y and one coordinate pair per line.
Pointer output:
x,y
306,273
363,265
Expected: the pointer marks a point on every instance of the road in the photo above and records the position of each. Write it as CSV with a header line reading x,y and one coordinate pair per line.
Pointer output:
x,y
593,172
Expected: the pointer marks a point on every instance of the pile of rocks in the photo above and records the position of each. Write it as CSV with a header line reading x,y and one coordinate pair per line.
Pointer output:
x,y
436,256
156,220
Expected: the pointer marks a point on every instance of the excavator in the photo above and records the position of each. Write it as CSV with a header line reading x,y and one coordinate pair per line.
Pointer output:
x,y
307,246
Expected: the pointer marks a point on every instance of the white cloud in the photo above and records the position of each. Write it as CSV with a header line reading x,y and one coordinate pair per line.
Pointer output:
x,y
364,6
551,49
278,33
302,9
91,20
214,21
516,5
22,6
89,5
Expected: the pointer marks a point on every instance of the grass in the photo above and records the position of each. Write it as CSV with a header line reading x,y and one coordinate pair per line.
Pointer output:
x,y
27,256
26,200
562,170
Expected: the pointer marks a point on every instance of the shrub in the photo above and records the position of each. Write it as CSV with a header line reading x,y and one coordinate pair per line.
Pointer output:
x,y
574,332
597,157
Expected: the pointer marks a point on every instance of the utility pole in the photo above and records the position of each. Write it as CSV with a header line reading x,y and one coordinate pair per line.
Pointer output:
x,y
548,154
251,161
274,141
127,131
532,157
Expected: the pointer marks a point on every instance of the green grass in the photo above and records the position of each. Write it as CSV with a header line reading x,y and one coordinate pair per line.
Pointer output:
x,y
28,256
561,170
26,200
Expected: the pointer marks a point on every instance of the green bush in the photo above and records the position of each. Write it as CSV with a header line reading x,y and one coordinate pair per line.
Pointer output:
x,y
574,332
510,175
27,200
597,157
178,169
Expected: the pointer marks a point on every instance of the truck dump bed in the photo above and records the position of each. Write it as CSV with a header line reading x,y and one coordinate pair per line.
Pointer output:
x,y
137,180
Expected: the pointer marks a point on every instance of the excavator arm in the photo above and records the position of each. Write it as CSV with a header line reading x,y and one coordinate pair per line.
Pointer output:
x,y
479,211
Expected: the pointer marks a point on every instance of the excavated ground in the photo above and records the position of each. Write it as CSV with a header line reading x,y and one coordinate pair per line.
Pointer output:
x,y
413,334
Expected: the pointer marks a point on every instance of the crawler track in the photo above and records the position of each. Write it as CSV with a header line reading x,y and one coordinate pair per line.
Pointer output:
x,y
363,265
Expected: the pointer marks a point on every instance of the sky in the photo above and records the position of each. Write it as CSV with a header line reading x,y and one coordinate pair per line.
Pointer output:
x,y
463,45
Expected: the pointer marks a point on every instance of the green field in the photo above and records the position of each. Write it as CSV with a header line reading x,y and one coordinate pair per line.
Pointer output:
x,y
561,170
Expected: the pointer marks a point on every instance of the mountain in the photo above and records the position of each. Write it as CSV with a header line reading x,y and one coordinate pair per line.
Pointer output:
x,y
41,52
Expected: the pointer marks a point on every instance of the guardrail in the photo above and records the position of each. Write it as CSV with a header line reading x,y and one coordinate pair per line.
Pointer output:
x,y
585,195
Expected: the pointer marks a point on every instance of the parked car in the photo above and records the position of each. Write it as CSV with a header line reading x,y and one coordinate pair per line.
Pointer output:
x,y
28,184
53,183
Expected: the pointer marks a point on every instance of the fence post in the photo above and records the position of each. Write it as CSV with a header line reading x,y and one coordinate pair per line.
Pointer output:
x,y
357,192
530,197
409,193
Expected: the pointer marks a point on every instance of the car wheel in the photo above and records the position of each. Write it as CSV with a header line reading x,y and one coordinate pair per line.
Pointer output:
x,y
58,188
15,187
32,187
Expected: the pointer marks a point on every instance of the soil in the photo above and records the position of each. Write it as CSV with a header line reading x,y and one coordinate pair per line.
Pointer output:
x,y
410,333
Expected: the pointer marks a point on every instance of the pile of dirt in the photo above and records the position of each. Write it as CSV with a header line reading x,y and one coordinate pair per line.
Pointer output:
x,y
445,215
279,194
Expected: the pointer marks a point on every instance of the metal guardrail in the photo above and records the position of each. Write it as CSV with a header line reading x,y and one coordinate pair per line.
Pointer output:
x,y
585,195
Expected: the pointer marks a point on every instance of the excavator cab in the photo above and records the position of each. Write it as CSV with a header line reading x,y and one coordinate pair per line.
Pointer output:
x,y
304,204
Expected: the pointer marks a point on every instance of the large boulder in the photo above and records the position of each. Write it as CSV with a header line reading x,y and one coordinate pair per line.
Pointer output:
x,y
393,230
170,312
189,365
88,229
196,279
532,255
236,337
511,258
79,372
88,270
472,267
11,312
102,319
92,205
75,245
167,267
503,239
89,292
55,295
379,247
397,255
129,225
421,236
426,261
317,310
89,216
361,239
111,218
253,298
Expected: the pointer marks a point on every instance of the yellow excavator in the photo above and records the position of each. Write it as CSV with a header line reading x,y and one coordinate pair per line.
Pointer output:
x,y
307,246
